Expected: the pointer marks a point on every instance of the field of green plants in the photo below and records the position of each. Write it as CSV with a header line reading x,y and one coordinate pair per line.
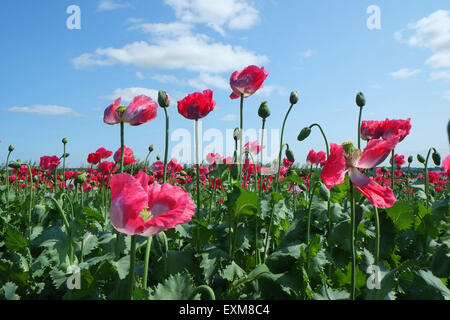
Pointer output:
x,y
234,226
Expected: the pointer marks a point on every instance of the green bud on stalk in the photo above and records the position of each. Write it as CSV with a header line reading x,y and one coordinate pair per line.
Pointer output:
x,y
410,159
290,155
436,158
151,148
360,100
158,157
294,97
64,140
420,158
324,192
237,134
11,148
306,131
384,169
264,110
80,178
163,99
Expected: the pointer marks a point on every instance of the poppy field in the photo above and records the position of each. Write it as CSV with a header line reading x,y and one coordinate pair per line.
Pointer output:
x,y
231,226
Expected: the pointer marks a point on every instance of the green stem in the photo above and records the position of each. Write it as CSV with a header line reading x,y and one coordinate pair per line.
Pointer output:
x,y
198,167
66,224
308,226
132,266
166,149
427,182
7,180
31,203
64,167
261,157
281,146
241,136
206,291
377,239
392,169
213,199
359,127
146,162
146,261
352,241
122,145
323,135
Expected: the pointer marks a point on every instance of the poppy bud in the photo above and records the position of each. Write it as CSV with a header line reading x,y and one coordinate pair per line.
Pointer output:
x,y
150,148
80,178
290,155
161,243
420,158
158,157
64,140
11,148
294,97
264,110
15,165
302,186
360,99
324,192
163,99
384,169
306,131
66,155
436,158
410,159
183,173
237,134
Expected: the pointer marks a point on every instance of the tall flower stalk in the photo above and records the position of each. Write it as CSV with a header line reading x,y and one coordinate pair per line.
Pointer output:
x,y
10,149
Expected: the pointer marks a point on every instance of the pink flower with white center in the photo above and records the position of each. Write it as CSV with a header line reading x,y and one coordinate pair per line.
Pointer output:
x,y
139,208
346,158
141,110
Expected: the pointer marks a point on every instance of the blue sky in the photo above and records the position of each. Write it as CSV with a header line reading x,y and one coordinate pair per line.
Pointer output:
x,y
56,82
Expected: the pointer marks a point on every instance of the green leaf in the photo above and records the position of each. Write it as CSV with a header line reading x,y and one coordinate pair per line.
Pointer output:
x,y
434,283
122,267
401,215
255,274
440,264
212,261
247,204
90,242
387,285
177,287
10,291
232,272
15,241
441,209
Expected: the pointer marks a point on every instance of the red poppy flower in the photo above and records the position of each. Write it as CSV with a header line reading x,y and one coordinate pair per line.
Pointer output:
x,y
197,105
385,129
106,167
398,160
140,208
446,165
345,158
141,110
314,158
93,158
104,154
49,163
248,81
128,156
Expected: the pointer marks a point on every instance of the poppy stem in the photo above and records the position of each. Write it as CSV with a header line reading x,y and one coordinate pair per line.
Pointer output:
x,y
377,240
166,149
281,147
392,169
132,265
427,182
122,145
64,167
7,180
206,291
241,127
323,135
198,167
359,127
146,261
261,156
352,240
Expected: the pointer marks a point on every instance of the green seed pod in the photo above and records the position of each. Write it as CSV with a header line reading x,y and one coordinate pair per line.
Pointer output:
x,y
324,192
151,148
290,155
15,165
384,169
161,243
237,134
264,110
436,158
306,131
294,97
158,157
360,100
420,158
302,186
80,178
410,159
11,148
64,140
66,155
163,99
183,173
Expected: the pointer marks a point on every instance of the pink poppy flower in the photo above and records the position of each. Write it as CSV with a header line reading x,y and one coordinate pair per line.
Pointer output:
x,y
93,158
247,81
347,159
141,110
104,154
106,167
398,160
128,156
446,165
253,147
49,163
314,158
385,129
139,208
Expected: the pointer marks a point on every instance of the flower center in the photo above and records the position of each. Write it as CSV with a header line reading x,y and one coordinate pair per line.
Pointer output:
x,y
146,215
352,154
121,110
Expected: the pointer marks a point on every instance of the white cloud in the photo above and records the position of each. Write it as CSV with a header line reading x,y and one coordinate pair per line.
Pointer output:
x,y
447,95
269,90
139,75
440,75
48,110
308,53
404,73
109,5
163,29
440,60
206,81
165,78
234,14
127,94
197,54
229,117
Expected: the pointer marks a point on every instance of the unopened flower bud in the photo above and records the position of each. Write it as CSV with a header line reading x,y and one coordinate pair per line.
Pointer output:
x,y
237,134
80,178
163,99
294,97
324,192
410,159
11,148
306,131
158,157
64,140
290,155
436,158
360,100
151,148
264,110
384,169
420,158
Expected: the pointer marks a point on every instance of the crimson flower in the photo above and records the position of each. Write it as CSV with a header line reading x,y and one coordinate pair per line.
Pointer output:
x,y
49,163
104,154
106,168
247,81
314,158
197,105
93,158
385,129
139,208
141,110
398,160
128,156
346,158
446,165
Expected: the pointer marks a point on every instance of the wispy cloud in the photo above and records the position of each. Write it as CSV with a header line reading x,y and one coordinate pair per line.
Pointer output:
x,y
269,90
127,94
404,73
440,75
308,53
46,110
109,5
447,95
205,81
229,117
